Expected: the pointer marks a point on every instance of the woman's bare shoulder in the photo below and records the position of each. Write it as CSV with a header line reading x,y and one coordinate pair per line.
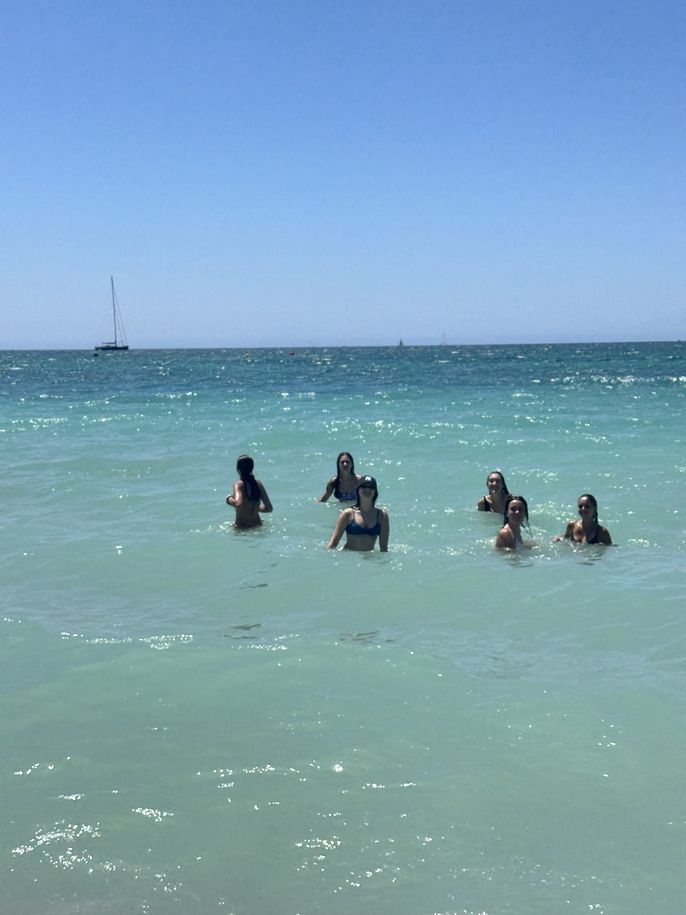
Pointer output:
x,y
604,536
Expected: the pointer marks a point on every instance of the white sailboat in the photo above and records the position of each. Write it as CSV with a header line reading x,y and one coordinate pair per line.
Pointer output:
x,y
119,342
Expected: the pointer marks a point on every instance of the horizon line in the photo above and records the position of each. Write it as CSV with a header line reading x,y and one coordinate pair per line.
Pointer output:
x,y
295,347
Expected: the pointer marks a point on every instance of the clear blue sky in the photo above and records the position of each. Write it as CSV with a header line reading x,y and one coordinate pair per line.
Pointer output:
x,y
303,173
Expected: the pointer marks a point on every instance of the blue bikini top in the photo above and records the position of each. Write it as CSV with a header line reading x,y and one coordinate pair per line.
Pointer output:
x,y
345,496
354,528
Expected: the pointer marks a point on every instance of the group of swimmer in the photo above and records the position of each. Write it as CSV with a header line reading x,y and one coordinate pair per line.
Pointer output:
x,y
515,512
363,523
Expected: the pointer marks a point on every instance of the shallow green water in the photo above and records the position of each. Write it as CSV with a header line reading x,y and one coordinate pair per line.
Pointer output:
x,y
200,720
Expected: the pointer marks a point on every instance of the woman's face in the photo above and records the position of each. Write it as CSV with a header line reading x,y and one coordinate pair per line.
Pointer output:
x,y
345,463
365,493
586,507
516,511
494,483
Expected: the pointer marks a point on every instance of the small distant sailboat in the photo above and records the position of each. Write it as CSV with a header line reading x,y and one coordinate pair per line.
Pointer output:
x,y
119,342
400,342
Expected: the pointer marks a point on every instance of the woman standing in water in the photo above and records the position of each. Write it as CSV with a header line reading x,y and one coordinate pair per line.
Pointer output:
x,y
497,494
362,523
587,530
510,534
249,497
344,485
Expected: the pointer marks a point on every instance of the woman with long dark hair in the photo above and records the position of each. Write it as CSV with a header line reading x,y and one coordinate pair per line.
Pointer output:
x,y
515,516
249,497
344,485
587,529
497,494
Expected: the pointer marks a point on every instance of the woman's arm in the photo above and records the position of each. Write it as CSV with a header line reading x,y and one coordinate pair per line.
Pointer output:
x,y
343,520
505,539
604,536
236,497
385,530
481,504
568,534
266,505
327,491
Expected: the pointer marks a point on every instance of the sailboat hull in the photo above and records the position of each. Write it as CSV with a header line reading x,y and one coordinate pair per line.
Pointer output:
x,y
111,347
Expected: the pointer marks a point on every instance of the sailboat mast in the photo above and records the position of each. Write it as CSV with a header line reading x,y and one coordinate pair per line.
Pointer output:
x,y
114,313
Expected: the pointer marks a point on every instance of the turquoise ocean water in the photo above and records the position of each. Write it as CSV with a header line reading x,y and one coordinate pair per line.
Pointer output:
x,y
199,720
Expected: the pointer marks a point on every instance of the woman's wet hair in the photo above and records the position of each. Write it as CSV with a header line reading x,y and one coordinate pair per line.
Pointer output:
x,y
505,490
337,480
245,466
348,455
594,502
512,498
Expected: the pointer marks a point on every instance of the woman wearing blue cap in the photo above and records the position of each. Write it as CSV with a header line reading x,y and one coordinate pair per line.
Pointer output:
x,y
364,522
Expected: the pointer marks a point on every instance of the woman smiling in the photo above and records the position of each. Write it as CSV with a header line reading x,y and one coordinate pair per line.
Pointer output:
x,y
516,515
587,529
497,494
